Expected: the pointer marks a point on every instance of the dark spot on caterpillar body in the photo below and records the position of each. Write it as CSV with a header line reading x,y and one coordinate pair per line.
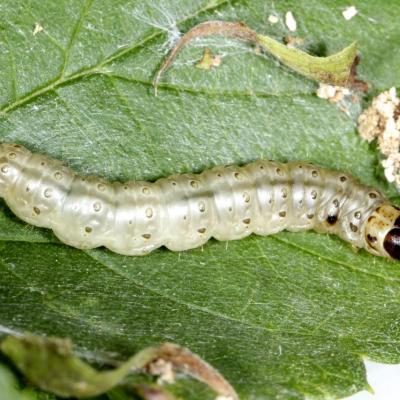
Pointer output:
x,y
331,220
353,227
397,222
392,243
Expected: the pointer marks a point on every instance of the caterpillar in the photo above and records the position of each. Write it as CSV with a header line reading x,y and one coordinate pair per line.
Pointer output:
x,y
185,211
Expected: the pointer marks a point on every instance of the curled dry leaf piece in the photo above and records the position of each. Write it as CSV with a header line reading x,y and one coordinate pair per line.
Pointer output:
x,y
337,69
50,364
381,121
228,29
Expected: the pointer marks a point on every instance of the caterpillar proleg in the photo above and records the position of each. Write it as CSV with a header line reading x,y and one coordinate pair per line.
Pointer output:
x,y
185,211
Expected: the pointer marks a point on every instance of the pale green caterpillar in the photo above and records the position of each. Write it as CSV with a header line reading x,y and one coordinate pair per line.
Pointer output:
x,y
184,211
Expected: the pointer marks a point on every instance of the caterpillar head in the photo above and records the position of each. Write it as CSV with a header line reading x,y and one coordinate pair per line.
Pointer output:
x,y
382,232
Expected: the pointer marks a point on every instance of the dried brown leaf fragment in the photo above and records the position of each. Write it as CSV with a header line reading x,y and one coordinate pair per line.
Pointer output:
x,y
338,69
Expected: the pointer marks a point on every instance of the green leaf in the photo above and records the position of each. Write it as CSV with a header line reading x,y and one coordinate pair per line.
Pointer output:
x,y
10,390
334,69
280,317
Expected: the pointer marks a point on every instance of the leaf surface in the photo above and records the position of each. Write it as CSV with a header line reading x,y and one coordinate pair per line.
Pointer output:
x,y
10,390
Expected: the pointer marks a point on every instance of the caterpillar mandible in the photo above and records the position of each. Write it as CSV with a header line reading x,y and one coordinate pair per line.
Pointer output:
x,y
185,211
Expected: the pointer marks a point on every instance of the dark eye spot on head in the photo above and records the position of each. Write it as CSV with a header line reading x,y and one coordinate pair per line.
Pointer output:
x,y
397,222
371,239
331,219
392,243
